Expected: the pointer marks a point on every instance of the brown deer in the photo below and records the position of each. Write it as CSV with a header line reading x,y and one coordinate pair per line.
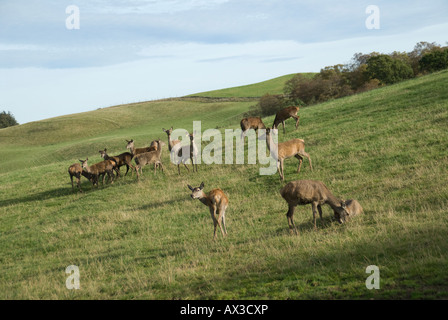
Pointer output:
x,y
284,114
217,202
152,157
303,192
284,150
75,170
100,169
136,151
353,208
175,144
251,123
123,159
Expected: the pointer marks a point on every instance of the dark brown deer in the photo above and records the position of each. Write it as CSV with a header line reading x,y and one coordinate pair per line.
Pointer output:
x,y
123,159
217,202
251,123
100,169
75,170
284,150
303,192
284,114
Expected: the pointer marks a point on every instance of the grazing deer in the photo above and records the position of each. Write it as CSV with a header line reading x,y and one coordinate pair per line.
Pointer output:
x,y
251,123
152,157
353,208
285,150
75,170
217,202
303,192
284,114
100,168
175,144
123,159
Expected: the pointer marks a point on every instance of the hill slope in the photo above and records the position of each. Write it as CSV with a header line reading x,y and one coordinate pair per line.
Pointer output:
x,y
150,240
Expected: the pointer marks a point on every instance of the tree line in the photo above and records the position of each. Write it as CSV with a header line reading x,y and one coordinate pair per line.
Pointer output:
x,y
7,120
364,72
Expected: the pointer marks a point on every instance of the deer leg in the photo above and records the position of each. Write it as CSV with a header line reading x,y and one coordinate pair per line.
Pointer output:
x,y
297,121
282,177
215,222
300,162
221,221
283,122
223,212
290,217
319,208
303,153
314,205
73,187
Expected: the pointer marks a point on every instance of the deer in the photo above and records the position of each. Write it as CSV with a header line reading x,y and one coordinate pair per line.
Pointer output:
x,y
303,192
123,159
284,114
75,170
193,151
217,202
176,146
100,168
353,208
152,157
284,150
136,151
251,123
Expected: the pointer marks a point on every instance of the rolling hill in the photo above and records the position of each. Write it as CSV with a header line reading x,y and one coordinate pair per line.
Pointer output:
x,y
387,148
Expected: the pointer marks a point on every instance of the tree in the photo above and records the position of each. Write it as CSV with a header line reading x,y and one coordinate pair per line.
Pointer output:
x,y
434,61
388,70
7,120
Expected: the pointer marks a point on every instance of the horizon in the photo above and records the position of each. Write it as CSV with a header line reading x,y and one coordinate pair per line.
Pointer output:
x,y
67,57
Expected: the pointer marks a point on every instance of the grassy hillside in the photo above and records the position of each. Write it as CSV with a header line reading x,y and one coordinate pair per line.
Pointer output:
x,y
272,86
386,148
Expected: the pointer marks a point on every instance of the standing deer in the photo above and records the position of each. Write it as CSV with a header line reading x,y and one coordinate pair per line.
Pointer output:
x,y
303,192
123,159
176,146
193,151
284,114
75,170
136,151
292,148
100,168
251,123
152,157
217,202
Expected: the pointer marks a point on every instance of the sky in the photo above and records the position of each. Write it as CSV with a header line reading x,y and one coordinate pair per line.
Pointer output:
x,y
126,51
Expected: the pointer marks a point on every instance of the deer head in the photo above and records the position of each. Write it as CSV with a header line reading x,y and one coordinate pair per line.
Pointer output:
x,y
196,192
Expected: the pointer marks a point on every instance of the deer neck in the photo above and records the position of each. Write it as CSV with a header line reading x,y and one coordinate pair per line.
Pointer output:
x,y
270,143
333,202
204,199
170,143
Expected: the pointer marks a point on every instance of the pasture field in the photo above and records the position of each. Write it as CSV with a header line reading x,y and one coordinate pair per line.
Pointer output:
x,y
387,148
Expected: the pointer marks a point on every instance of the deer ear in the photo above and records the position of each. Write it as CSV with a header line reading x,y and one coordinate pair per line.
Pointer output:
x,y
201,186
190,187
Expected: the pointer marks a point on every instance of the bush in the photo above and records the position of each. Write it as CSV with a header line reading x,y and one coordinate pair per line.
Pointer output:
x,y
7,120
388,70
434,61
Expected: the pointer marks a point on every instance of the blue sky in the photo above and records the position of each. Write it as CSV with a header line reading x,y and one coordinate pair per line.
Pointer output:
x,y
138,50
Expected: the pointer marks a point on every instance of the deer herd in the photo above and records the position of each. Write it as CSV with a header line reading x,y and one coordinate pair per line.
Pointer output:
x,y
299,192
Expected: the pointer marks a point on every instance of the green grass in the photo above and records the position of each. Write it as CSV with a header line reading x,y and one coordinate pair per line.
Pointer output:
x,y
386,148
272,86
